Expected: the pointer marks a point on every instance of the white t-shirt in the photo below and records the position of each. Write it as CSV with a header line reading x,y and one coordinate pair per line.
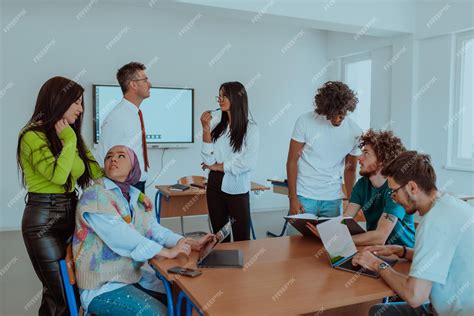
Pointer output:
x,y
443,254
321,163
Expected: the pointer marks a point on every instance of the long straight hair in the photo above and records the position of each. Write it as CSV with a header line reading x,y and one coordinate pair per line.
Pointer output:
x,y
54,99
239,110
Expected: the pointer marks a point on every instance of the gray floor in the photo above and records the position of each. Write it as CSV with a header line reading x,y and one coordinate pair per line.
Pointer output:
x,y
20,290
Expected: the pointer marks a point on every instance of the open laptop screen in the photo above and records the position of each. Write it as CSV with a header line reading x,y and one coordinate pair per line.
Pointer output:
x,y
337,240
218,238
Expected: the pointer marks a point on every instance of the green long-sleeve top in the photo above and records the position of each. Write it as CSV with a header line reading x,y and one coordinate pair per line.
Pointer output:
x,y
45,173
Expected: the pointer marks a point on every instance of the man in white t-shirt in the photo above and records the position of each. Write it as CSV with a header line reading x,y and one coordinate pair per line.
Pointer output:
x,y
443,259
124,125
324,142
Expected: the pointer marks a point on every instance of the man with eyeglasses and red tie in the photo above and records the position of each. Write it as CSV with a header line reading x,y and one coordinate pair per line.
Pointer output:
x,y
124,125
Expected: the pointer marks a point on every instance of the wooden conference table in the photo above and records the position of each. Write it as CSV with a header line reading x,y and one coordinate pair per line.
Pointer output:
x,y
281,276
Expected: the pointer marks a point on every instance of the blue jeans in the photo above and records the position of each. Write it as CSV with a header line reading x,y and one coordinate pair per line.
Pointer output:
x,y
127,300
400,309
329,208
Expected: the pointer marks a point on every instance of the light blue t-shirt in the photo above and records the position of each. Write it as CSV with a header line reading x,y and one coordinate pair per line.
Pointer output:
x,y
443,254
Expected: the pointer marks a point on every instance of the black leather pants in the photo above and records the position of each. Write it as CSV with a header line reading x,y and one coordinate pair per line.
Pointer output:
x,y
48,223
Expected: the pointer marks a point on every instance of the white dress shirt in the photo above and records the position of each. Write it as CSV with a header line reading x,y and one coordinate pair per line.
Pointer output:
x,y
237,166
122,127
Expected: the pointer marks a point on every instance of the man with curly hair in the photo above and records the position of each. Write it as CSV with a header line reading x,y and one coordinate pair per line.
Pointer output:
x,y
387,222
324,142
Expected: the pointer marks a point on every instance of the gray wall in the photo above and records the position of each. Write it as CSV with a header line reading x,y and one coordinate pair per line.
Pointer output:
x,y
277,62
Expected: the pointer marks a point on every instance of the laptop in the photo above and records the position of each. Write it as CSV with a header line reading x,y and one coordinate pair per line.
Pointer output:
x,y
212,258
299,221
341,248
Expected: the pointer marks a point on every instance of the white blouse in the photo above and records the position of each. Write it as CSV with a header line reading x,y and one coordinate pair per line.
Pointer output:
x,y
237,166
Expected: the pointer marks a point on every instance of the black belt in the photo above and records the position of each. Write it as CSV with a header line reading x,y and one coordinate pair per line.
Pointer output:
x,y
52,198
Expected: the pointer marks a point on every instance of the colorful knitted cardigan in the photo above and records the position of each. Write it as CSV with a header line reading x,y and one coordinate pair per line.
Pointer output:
x,y
96,264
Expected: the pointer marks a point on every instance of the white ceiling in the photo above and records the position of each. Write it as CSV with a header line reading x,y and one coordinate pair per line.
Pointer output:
x,y
380,18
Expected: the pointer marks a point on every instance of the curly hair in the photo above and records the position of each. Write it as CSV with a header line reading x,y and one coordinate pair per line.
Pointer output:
x,y
335,98
386,146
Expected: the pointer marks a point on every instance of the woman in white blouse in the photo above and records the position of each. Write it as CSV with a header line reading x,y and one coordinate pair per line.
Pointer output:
x,y
230,152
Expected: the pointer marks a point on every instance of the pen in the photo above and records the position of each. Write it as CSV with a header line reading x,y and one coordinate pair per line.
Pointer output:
x,y
210,111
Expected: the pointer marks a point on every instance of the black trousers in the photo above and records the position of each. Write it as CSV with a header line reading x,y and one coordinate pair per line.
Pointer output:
x,y
47,225
224,207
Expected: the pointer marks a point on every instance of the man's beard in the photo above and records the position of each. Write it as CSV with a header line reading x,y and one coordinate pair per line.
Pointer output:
x,y
410,206
370,171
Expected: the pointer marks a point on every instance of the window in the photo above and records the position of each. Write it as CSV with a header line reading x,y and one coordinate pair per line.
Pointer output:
x,y
357,74
461,117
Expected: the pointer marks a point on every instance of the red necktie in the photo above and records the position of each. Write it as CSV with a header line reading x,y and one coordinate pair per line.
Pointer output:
x,y
145,152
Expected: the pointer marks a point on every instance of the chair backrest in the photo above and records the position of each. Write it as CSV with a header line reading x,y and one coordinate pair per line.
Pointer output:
x,y
71,269
69,280
188,180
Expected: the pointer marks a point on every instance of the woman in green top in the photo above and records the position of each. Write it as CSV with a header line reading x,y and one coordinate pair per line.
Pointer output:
x,y
52,158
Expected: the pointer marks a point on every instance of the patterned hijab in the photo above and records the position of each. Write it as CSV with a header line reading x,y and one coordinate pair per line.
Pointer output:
x,y
133,176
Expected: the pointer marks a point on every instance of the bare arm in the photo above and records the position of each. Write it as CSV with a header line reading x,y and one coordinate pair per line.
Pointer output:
x,y
351,210
379,236
413,290
350,164
294,154
388,250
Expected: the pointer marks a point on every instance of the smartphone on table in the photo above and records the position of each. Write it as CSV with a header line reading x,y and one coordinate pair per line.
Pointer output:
x,y
184,271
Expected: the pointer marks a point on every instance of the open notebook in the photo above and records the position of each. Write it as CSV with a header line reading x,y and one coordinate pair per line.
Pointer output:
x,y
341,248
299,221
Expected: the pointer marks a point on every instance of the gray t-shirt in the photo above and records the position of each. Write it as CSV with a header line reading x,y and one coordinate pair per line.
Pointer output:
x,y
443,254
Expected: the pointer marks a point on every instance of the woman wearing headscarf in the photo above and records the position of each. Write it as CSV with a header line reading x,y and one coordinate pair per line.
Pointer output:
x,y
115,236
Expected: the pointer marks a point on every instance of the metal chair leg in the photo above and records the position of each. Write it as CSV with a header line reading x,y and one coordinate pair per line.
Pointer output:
x,y
169,293
283,231
158,206
251,229
189,305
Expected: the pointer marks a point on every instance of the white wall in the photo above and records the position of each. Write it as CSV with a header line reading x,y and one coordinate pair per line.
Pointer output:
x,y
276,61
435,78
405,95
380,51
436,27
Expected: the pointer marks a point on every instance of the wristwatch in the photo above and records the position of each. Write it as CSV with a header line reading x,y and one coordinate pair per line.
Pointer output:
x,y
383,265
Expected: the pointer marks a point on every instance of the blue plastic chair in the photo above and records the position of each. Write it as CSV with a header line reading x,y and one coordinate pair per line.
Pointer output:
x,y
169,293
68,288
189,305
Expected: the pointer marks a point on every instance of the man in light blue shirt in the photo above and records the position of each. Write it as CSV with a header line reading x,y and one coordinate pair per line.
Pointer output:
x,y
442,260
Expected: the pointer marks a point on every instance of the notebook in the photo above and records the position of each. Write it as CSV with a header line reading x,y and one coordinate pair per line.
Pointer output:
x,y
211,258
341,248
178,187
299,221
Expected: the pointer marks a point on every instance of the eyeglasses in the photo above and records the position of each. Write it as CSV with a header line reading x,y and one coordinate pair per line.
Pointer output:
x,y
143,79
219,98
392,193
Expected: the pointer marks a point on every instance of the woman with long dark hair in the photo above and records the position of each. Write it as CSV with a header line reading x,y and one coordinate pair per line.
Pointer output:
x,y
52,157
230,151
